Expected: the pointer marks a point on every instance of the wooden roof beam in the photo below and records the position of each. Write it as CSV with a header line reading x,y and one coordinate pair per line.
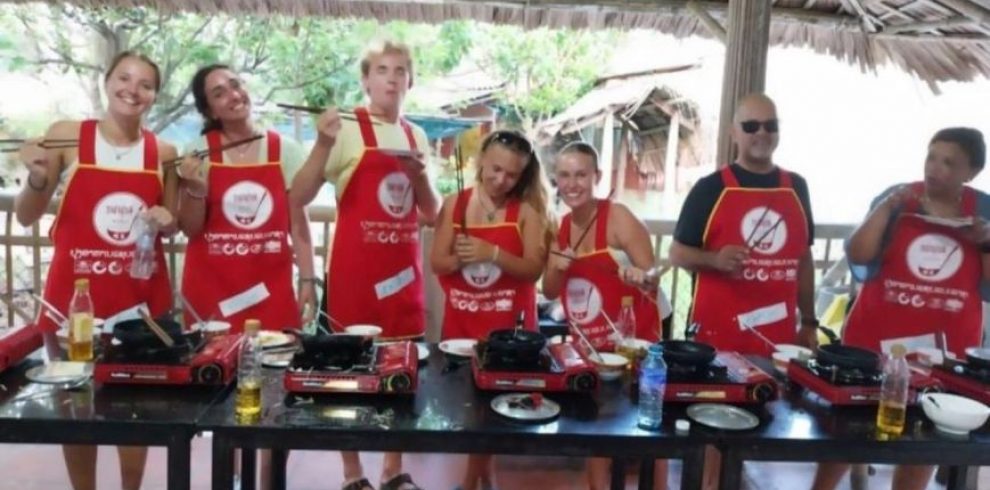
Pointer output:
x,y
969,9
708,21
958,21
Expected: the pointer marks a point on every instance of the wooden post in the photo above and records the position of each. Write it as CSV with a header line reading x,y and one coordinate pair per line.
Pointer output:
x,y
745,64
607,157
670,170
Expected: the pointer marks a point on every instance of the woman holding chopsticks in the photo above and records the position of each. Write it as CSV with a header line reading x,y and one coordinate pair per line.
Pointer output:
x,y
926,252
235,211
489,250
584,271
110,179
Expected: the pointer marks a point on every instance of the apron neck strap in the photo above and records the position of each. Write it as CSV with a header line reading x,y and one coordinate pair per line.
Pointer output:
x,y
460,205
274,147
87,142
367,128
601,224
150,151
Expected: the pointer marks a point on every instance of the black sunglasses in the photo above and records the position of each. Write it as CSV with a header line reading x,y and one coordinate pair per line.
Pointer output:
x,y
752,126
510,139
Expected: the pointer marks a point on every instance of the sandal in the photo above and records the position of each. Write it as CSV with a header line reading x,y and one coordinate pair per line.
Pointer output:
x,y
402,481
359,484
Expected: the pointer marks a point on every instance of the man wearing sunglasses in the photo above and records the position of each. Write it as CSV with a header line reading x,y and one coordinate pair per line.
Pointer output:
x,y
746,232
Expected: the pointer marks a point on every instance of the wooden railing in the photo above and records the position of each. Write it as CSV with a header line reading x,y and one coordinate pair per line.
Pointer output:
x,y
26,252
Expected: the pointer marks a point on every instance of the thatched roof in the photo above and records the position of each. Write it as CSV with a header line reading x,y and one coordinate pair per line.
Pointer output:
x,y
938,40
638,100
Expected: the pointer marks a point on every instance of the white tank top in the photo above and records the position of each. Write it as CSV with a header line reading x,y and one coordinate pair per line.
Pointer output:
x,y
108,156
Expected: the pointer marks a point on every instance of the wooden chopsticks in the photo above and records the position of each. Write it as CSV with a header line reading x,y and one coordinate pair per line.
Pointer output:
x,y
48,144
203,153
157,329
591,224
349,115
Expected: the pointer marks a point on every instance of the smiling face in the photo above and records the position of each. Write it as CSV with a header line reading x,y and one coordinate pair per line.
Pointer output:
x,y
501,169
226,96
131,87
576,177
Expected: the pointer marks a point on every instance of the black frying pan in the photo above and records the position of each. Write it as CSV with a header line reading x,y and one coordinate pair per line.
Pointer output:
x,y
978,357
848,357
136,333
687,353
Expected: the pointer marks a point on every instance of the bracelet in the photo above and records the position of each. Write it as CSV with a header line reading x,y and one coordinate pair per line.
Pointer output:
x,y
38,188
194,195
495,255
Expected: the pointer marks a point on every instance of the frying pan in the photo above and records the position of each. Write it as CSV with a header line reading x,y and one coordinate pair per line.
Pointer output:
x,y
845,356
687,353
135,333
978,357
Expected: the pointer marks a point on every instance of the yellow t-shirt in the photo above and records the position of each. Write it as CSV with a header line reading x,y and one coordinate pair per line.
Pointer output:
x,y
349,148
292,155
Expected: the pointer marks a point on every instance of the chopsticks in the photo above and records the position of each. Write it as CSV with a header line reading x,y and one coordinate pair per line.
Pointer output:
x,y
591,224
459,176
47,144
758,334
156,329
586,341
349,115
61,318
202,153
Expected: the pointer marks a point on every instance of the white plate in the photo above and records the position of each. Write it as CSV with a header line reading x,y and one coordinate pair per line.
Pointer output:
x,y
721,416
458,347
270,340
512,405
60,372
400,153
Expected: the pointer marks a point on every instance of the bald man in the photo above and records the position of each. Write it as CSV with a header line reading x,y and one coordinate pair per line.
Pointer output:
x,y
746,232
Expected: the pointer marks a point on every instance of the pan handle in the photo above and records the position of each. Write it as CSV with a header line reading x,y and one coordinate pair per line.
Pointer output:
x,y
832,337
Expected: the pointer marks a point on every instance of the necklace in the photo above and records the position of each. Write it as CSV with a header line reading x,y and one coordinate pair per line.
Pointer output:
x,y
489,212
239,152
119,155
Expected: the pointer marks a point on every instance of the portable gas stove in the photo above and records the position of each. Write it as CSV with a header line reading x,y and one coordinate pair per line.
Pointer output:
x,y
729,378
846,386
964,378
206,362
365,368
17,343
558,367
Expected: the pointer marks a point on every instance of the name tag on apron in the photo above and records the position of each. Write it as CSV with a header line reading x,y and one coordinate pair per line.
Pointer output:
x,y
242,301
912,344
762,316
394,284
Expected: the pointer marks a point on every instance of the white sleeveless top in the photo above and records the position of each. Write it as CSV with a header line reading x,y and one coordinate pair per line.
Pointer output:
x,y
107,156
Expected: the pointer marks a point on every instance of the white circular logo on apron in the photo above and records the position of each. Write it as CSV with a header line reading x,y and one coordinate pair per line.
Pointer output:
x,y
247,205
934,257
584,301
764,230
114,217
482,274
395,194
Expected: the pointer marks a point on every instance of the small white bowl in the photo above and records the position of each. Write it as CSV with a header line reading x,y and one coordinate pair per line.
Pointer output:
x,y
781,360
954,414
794,351
211,328
610,366
364,330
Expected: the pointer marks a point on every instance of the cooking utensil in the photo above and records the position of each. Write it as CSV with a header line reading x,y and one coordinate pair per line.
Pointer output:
x,y
188,306
721,416
756,332
587,342
591,223
978,357
349,115
203,153
687,353
157,329
848,357
47,144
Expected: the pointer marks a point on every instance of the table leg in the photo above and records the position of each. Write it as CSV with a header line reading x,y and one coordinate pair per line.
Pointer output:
x,y
280,458
223,463
646,468
178,463
957,478
693,468
249,468
730,477
618,474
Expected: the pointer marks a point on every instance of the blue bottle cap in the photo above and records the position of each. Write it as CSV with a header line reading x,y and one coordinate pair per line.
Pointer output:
x,y
655,350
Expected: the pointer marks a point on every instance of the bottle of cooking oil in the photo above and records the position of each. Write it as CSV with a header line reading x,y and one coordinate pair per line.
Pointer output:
x,y
248,397
893,394
81,323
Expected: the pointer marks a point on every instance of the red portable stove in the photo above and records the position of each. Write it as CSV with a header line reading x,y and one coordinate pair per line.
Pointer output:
x,y
556,367
18,343
201,362
729,378
850,386
332,366
965,378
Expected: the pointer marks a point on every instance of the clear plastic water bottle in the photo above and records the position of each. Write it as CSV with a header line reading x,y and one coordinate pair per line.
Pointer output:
x,y
893,394
652,385
143,264
248,398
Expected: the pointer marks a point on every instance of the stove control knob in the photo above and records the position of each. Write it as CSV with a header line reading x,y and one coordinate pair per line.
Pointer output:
x,y
581,382
397,383
762,392
210,374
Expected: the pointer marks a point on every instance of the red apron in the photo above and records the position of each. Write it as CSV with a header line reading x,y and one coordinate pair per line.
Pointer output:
x,y
480,298
375,273
928,283
94,237
764,294
240,265
593,289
